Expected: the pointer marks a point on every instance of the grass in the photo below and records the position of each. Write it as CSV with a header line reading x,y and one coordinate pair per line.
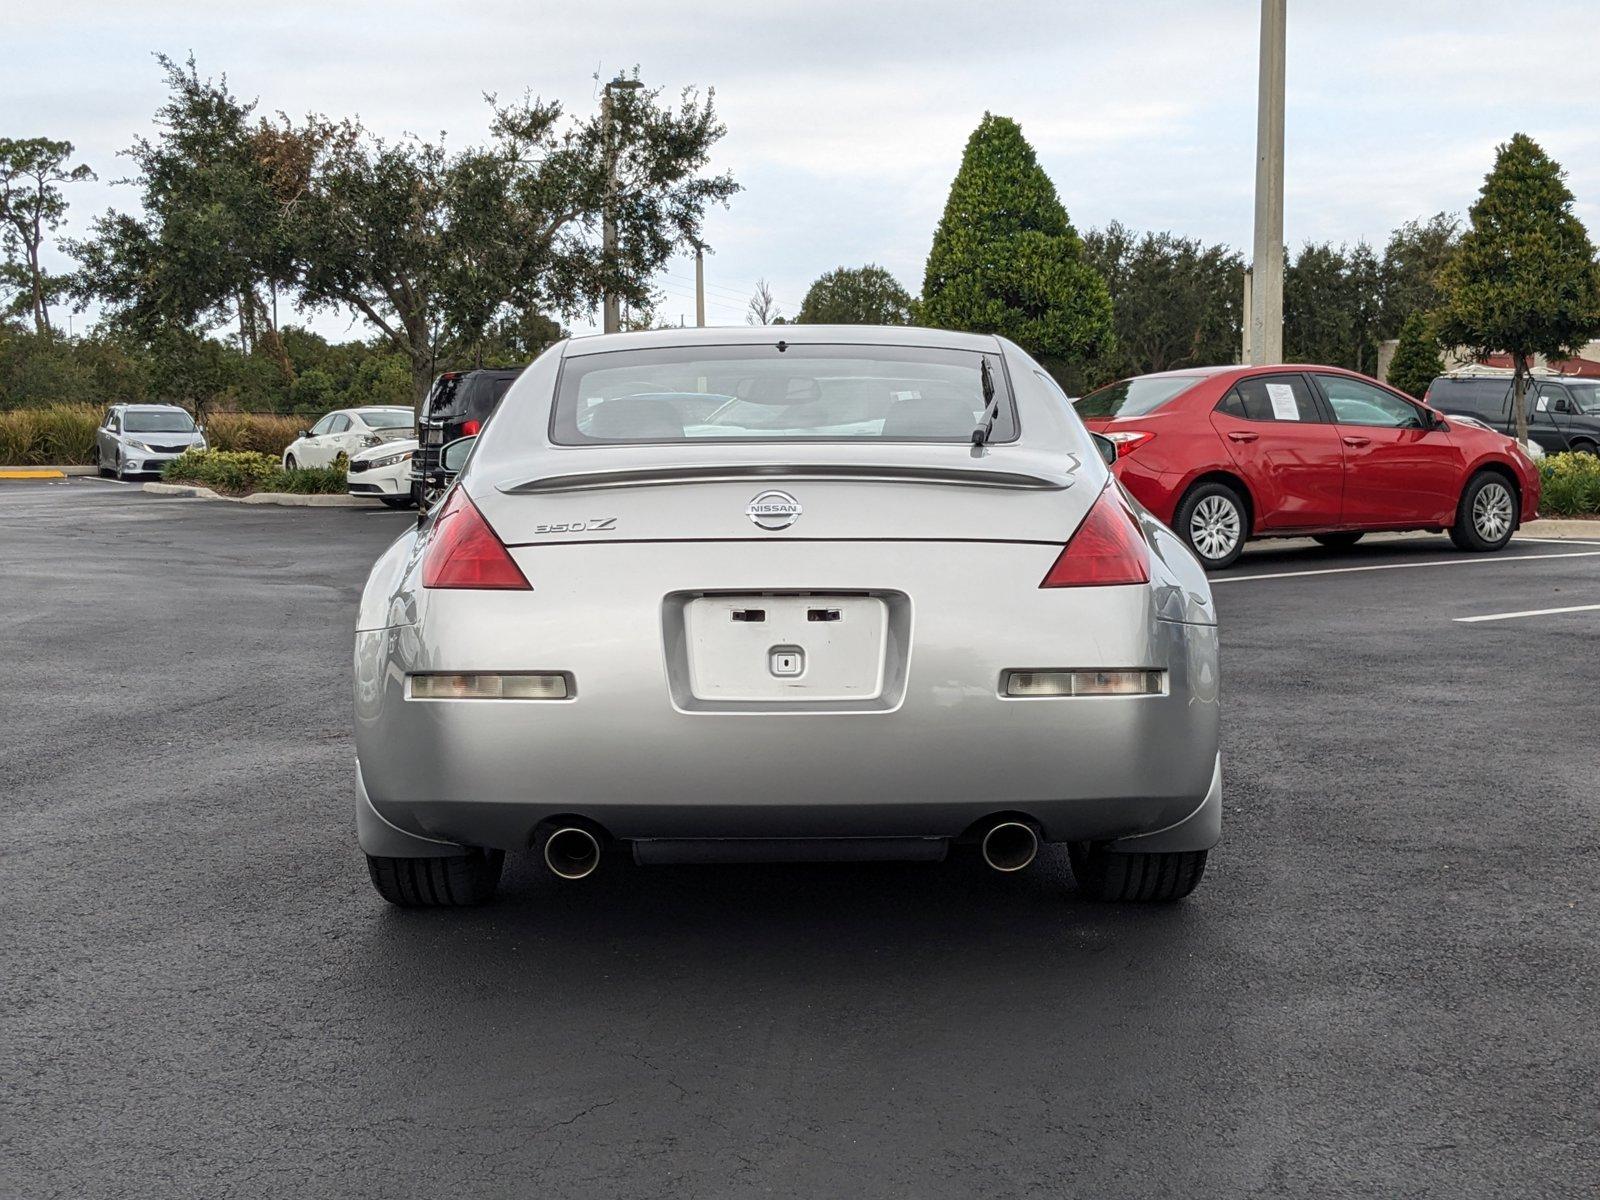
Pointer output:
x,y
64,434
240,472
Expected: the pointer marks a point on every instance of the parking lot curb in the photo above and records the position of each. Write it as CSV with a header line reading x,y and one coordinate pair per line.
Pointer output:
x,y
284,499
1563,527
43,472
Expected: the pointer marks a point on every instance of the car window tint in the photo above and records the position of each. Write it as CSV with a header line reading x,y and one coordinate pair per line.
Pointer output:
x,y
1358,403
1485,398
1553,398
1134,397
339,423
322,426
1271,398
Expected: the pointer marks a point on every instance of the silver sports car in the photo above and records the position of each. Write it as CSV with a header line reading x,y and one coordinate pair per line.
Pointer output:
x,y
780,594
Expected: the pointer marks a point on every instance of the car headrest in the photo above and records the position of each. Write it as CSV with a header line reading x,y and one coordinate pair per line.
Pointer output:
x,y
939,416
635,417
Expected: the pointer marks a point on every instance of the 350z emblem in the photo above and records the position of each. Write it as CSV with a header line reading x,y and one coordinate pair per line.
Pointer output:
x,y
592,525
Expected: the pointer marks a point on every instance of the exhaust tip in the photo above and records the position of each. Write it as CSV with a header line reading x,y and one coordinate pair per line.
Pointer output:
x,y
1010,846
572,853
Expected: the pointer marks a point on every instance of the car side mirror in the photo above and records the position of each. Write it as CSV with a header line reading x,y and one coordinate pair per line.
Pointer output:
x,y
1107,448
453,455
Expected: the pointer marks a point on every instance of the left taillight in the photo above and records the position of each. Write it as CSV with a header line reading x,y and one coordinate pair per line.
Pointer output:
x,y
463,552
1129,440
470,428
1107,549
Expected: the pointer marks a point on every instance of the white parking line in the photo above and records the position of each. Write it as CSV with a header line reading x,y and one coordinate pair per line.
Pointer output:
x,y
1532,612
1463,561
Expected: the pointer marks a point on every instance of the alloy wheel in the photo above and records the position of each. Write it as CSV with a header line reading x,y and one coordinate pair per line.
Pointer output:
x,y
1491,511
1215,527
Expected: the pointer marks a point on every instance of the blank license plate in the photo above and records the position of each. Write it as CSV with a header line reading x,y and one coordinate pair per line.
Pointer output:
x,y
800,648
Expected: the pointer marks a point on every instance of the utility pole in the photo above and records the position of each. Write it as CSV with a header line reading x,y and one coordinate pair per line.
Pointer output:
x,y
1244,325
1266,290
699,288
612,321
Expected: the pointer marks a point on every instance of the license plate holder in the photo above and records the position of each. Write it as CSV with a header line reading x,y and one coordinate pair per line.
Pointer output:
x,y
786,648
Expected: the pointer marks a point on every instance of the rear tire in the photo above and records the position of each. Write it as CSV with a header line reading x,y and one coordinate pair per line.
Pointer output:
x,y
458,881
1585,448
1214,522
1486,517
1103,874
1337,541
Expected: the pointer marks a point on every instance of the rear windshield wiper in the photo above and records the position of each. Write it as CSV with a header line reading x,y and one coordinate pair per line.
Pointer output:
x,y
991,407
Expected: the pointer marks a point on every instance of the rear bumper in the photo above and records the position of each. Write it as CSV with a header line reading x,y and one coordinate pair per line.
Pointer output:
x,y
952,751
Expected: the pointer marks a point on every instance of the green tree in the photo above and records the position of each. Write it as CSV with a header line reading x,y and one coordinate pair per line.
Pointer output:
x,y
437,249
1331,300
32,207
1176,302
1412,261
212,239
866,295
1524,279
1005,258
1416,361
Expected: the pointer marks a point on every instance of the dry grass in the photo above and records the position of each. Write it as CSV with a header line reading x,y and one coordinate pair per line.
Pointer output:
x,y
64,434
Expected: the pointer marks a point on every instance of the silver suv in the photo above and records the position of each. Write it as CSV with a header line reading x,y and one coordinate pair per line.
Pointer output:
x,y
144,437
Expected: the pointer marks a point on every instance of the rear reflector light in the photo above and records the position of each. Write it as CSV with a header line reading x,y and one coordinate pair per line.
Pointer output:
x,y
547,686
470,428
463,552
1107,549
1086,683
1129,440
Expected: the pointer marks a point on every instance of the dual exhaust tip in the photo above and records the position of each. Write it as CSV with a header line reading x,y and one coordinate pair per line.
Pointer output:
x,y
573,852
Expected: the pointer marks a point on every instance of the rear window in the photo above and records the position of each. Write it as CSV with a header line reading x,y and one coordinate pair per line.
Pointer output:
x,y
1475,397
387,418
762,394
174,421
1135,397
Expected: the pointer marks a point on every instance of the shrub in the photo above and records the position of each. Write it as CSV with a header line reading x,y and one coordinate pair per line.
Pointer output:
x,y
1571,485
239,472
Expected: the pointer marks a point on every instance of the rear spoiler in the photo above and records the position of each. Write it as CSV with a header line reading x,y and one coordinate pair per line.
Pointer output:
x,y
734,472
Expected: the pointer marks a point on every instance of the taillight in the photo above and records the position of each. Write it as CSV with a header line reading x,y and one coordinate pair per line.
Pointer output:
x,y
463,552
1107,549
1129,440
469,428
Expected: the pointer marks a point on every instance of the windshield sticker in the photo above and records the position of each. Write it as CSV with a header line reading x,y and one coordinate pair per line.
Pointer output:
x,y
1543,405
1284,407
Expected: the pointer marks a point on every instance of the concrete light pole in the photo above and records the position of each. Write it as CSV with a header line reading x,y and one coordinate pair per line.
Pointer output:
x,y
612,320
699,288
1265,342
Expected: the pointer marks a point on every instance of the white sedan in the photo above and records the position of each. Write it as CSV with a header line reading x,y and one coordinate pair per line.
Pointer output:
x,y
383,473
347,431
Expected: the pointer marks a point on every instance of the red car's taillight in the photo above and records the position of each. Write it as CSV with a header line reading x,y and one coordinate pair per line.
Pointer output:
x,y
1129,440
463,552
470,428
1107,549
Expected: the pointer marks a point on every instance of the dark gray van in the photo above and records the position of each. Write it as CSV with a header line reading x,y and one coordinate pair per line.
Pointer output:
x,y
1563,413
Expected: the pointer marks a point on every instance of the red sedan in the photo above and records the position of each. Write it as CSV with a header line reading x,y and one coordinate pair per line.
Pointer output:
x,y
1223,454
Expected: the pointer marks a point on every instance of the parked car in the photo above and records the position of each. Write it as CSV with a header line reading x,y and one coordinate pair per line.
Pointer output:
x,y
1563,413
1224,454
457,405
140,438
383,473
693,637
346,431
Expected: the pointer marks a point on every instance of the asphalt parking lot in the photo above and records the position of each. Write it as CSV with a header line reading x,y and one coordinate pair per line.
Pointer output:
x,y
1388,985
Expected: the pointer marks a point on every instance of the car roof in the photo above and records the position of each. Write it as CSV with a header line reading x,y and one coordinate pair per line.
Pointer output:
x,y
153,408
794,335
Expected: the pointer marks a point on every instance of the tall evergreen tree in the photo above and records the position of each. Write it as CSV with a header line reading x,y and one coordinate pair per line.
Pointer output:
x,y
1005,258
1524,279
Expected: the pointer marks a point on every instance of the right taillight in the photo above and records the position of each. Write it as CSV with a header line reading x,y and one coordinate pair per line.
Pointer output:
x,y
1107,549
463,552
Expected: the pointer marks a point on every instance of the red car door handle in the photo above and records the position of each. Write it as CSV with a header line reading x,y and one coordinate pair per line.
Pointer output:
x,y
1357,441
1240,435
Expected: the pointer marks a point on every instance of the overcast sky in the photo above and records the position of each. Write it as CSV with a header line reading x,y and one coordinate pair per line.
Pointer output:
x,y
846,119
